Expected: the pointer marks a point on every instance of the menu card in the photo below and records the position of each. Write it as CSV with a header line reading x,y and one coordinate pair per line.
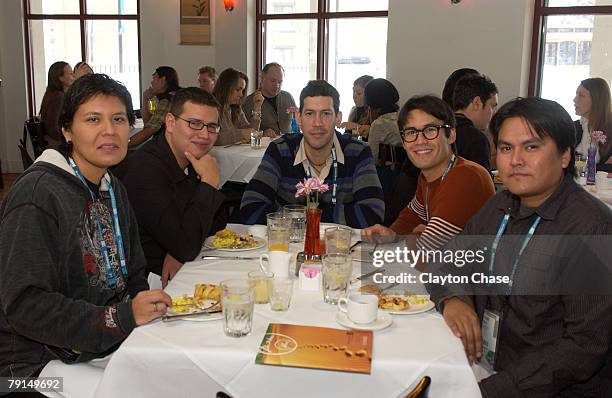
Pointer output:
x,y
317,348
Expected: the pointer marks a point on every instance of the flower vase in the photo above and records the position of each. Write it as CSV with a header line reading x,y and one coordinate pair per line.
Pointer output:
x,y
591,170
312,243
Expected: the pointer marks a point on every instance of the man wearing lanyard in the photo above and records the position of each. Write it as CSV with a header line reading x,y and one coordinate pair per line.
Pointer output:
x,y
355,196
450,188
546,323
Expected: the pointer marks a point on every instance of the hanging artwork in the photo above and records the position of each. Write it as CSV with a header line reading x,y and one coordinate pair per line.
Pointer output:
x,y
195,22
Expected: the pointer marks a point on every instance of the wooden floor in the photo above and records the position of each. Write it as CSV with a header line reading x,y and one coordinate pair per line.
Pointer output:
x,y
8,180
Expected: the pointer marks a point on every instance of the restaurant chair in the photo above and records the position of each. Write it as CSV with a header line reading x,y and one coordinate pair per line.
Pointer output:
x,y
421,389
35,129
26,159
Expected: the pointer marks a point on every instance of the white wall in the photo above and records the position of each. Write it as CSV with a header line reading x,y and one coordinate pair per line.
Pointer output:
x,y
13,102
160,38
428,39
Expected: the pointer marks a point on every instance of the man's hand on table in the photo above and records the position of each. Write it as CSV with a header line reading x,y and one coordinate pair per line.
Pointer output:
x,y
149,305
378,234
170,267
464,323
206,167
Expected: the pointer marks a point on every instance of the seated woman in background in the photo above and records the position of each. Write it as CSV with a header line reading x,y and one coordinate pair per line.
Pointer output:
x,y
156,103
358,119
72,280
381,96
59,78
81,69
593,104
229,91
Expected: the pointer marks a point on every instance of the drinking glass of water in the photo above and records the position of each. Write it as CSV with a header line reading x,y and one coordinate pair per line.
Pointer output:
x,y
237,300
297,217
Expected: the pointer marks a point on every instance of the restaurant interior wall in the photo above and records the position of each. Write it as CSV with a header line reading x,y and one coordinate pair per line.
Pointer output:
x,y
13,96
160,42
428,39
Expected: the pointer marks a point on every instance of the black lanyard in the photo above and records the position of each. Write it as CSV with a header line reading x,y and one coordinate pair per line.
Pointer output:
x,y
334,174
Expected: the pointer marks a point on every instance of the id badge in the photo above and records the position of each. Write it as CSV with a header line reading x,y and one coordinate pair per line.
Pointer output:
x,y
490,328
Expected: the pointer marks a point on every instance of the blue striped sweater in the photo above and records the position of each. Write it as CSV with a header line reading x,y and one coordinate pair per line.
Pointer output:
x,y
359,195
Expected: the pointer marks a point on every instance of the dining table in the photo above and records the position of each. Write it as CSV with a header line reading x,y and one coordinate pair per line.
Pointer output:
x,y
238,162
193,357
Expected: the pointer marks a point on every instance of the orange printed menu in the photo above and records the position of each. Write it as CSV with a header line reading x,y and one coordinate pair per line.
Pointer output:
x,y
316,347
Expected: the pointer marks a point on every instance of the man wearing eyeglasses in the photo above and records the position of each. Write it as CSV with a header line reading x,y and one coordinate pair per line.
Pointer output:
x,y
172,182
450,189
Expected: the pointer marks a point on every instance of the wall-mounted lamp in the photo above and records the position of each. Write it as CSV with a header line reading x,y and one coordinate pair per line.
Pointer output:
x,y
455,1
229,5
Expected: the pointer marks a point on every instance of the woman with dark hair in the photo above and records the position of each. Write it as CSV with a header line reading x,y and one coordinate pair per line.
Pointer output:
x,y
59,78
82,68
358,118
156,103
449,86
229,91
593,105
381,97
72,281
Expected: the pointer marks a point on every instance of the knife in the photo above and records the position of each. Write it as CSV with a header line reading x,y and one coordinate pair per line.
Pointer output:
x,y
362,277
389,286
175,317
227,258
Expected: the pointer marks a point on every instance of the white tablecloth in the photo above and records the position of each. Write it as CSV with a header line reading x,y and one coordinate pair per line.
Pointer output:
x,y
605,195
183,358
237,163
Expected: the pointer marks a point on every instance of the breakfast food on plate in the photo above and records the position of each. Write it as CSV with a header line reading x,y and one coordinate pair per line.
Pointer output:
x,y
226,239
182,304
205,291
393,303
370,289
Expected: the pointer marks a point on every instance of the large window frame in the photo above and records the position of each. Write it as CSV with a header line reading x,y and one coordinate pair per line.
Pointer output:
x,y
538,54
82,17
322,17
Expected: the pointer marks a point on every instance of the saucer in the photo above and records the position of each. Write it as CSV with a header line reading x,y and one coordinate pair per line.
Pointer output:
x,y
383,321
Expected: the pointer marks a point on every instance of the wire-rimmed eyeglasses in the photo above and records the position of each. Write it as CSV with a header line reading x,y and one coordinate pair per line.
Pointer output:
x,y
429,132
196,124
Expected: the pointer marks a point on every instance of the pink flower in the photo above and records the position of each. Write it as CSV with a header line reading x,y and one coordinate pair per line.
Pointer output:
x,y
304,188
599,137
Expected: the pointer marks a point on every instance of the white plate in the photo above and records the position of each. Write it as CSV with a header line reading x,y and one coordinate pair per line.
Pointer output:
x,y
413,309
383,321
212,317
261,242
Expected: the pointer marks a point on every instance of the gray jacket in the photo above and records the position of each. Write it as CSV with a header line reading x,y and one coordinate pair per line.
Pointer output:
x,y
278,120
55,299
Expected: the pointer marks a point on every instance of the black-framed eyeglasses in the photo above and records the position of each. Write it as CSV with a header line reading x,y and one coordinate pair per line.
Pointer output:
x,y
196,124
429,132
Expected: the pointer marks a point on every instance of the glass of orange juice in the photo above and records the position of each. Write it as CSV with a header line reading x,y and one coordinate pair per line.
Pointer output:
x,y
278,231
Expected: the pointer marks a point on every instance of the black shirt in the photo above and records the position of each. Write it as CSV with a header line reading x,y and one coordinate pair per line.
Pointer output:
x,y
175,211
554,339
472,144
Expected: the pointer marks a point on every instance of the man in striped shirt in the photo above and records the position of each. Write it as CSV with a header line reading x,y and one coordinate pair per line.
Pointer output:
x,y
450,188
355,197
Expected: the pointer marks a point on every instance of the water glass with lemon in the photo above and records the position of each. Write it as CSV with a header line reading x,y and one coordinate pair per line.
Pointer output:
x,y
262,282
337,269
237,301
338,239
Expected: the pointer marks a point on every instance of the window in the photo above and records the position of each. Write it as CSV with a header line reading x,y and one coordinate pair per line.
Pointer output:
x,y
573,46
338,42
100,32
551,53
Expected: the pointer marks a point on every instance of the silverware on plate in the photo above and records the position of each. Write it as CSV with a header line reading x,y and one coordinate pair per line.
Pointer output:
x,y
227,258
362,277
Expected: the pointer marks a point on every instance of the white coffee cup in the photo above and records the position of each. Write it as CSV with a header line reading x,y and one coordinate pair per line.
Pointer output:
x,y
278,263
360,308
